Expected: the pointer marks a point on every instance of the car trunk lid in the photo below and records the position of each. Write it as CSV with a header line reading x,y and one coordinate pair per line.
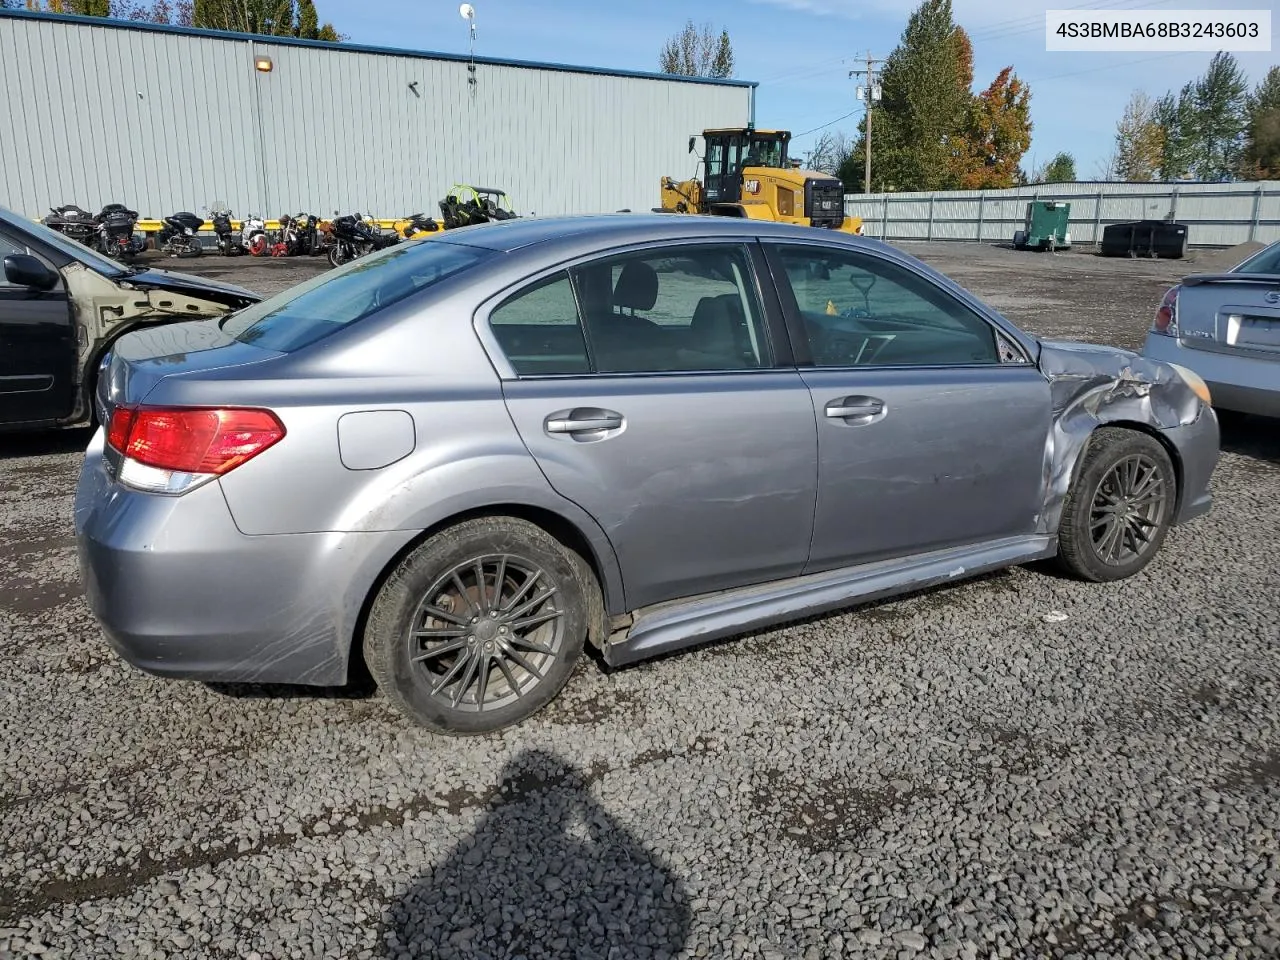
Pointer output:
x,y
1231,313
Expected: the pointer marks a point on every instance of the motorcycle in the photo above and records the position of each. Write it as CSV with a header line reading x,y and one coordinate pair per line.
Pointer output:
x,y
116,232
227,239
300,235
352,236
73,222
253,236
415,225
179,237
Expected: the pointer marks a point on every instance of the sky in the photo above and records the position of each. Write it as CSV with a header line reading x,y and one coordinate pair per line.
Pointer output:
x,y
801,52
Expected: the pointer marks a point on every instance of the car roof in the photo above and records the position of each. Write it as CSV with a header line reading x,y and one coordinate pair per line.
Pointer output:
x,y
620,228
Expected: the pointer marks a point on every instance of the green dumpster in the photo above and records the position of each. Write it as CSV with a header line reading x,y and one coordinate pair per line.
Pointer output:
x,y
1046,226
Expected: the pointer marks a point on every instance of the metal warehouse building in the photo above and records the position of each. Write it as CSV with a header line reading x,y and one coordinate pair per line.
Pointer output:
x,y
167,118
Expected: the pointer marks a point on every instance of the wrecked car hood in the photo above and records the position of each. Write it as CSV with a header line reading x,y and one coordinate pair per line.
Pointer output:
x,y
202,287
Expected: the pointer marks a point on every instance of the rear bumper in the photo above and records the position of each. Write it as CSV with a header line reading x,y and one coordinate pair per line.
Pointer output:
x,y
180,592
1241,383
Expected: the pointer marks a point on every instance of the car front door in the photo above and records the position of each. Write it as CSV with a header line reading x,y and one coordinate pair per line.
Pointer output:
x,y
655,394
37,347
932,423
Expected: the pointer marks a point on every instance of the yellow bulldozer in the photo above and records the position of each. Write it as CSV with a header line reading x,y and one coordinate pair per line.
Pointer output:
x,y
747,173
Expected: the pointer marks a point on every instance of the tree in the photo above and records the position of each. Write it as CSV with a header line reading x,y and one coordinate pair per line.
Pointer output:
x,y
1175,115
1261,159
829,153
698,52
924,91
1139,140
1220,99
987,151
1061,169
279,18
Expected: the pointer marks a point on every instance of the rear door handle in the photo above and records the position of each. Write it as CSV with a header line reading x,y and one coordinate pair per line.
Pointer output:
x,y
582,420
854,408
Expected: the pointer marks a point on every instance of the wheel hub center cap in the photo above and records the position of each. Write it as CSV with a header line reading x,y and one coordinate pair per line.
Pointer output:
x,y
486,630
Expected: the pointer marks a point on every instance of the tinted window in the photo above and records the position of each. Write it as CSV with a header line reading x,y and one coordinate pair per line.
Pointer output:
x,y
860,310
11,245
315,309
74,250
679,309
1265,261
539,332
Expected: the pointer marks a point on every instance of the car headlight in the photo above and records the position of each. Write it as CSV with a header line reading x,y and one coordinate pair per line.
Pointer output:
x,y
1195,382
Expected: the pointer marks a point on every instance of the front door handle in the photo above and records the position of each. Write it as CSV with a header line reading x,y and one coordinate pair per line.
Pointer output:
x,y
861,409
580,420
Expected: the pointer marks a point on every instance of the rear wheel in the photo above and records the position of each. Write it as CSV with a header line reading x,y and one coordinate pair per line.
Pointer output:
x,y
480,626
1120,507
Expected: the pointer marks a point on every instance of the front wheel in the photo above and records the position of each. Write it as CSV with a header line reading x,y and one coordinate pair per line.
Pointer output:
x,y
340,253
480,626
1120,507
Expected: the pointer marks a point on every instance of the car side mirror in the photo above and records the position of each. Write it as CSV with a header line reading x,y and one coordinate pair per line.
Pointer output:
x,y
25,270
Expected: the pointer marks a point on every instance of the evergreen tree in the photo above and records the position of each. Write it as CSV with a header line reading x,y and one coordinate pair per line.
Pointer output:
x,y
1220,100
1175,116
697,52
1061,169
1262,136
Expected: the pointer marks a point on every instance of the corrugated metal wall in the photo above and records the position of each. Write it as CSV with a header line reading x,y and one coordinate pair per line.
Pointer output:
x,y
1219,214
164,121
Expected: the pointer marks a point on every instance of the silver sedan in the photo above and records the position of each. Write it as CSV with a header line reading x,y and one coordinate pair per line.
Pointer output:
x,y
467,457
1226,327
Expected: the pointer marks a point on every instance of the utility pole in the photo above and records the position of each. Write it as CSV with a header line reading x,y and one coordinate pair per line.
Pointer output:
x,y
869,94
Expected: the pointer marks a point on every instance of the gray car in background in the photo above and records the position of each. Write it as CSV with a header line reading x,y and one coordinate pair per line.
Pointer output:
x,y
1226,327
465,457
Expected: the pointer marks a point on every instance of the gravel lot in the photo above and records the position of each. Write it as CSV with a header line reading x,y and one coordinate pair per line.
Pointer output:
x,y
1019,766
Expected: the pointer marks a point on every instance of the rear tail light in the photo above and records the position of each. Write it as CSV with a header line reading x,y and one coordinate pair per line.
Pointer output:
x,y
1166,321
175,449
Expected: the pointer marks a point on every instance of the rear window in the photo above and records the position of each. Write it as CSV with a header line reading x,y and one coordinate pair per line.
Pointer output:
x,y
311,311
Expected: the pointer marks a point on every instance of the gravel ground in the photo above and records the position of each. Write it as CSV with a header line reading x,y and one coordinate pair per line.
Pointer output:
x,y
1018,766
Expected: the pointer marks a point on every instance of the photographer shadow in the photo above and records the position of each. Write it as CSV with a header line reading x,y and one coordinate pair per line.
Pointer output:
x,y
547,873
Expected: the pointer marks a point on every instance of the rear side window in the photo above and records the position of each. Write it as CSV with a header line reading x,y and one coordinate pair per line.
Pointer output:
x,y
311,311
539,332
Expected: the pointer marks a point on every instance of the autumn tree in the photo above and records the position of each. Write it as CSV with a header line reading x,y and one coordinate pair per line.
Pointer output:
x,y
996,135
1139,140
698,52
1261,159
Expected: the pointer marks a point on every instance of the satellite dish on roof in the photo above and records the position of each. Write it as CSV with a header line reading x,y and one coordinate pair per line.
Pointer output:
x,y
467,12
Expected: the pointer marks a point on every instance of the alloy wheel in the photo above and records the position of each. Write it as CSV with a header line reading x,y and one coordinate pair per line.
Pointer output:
x,y
1128,509
487,632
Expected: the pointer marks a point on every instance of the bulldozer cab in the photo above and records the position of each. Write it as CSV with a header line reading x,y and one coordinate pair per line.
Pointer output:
x,y
729,152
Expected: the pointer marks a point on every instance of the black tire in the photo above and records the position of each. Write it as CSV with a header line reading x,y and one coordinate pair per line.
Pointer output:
x,y
520,680
1110,528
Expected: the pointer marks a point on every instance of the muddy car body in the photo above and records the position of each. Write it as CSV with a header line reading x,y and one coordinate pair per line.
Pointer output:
x,y
61,308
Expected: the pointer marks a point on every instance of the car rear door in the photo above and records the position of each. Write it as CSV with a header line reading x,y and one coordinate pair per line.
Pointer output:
x,y
37,347
654,393
932,424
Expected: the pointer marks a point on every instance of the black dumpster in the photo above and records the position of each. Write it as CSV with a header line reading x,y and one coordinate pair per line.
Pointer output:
x,y
1166,239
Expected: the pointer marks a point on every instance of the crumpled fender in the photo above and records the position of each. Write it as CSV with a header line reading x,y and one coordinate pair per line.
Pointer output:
x,y
1093,385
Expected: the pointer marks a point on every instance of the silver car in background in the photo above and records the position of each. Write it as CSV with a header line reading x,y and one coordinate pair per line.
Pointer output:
x,y
465,457
1226,327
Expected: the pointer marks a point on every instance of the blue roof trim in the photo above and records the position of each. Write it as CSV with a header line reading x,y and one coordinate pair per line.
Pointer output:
x,y
363,48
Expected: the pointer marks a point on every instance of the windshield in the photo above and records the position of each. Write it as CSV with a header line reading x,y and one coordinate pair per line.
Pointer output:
x,y
767,153
1266,260
76,251
311,311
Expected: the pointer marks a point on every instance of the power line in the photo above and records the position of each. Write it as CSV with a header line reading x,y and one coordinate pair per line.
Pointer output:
x,y
796,136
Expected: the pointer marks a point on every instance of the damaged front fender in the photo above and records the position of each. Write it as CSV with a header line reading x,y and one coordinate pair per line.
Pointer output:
x,y
1091,386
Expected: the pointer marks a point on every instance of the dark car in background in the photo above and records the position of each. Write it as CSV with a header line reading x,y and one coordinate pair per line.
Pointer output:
x,y
62,305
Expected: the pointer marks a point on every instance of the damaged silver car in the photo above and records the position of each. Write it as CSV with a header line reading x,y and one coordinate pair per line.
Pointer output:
x,y
459,462
61,307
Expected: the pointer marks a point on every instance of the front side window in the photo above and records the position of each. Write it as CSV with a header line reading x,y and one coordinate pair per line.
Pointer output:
x,y
860,310
687,308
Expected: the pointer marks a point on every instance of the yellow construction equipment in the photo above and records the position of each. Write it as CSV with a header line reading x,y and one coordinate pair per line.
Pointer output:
x,y
747,173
